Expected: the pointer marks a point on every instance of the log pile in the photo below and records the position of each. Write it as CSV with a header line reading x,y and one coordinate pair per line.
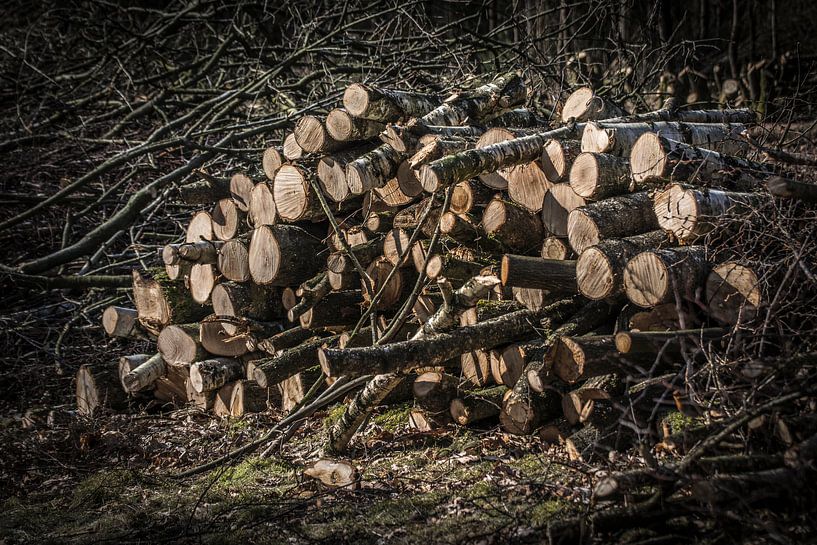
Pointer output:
x,y
506,269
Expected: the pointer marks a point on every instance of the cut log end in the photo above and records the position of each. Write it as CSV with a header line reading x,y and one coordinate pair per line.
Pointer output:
x,y
291,193
733,293
240,190
582,231
648,158
271,161
356,99
584,175
595,275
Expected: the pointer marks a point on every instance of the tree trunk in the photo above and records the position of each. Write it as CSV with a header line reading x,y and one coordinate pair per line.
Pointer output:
x,y
557,158
734,293
344,127
312,136
386,105
122,322
205,192
283,255
578,358
234,259
337,310
534,272
615,217
99,387
143,375
258,303
270,371
160,301
596,176
600,268
514,227
179,344
214,373
292,151
248,397
373,169
478,405
655,276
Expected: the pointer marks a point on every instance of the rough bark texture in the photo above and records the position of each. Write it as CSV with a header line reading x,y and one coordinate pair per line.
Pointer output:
x,y
270,371
386,105
655,276
477,405
373,169
516,228
535,272
214,373
145,374
615,217
161,301
283,255
619,138
559,202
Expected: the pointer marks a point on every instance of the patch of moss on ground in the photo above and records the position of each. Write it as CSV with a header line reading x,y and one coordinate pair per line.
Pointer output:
x,y
102,487
394,418
333,416
678,421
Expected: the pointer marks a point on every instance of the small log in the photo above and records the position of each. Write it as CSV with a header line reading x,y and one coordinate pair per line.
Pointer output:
x,y
122,322
436,148
285,339
583,104
258,303
334,474
283,255
655,276
513,226
205,192
201,281
558,203
294,197
294,388
392,193
331,172
214,373
553,275
791,189
312,136
477,405
271,161
98,388
161,301
234,259
221,402
344,127
596,176
733,293
618,139
426,351
179,344
513,359
577,358
600,268
262,210
524,410
457,271
311,293
654,157
466,231
204,252
142,375
241,187
247,398
337,310
270,371
378,222
557,159
386,105
578,404
228,220
395,246
172,387
469,195
433,392
407,181
373,169
200,227
652,342
691,213
556,248
378,271
499,178
292,151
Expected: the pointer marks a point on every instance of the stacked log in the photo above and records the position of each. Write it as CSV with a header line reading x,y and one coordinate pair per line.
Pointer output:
x,y
355,257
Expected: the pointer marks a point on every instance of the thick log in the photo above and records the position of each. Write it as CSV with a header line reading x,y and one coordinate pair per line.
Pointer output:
x,y
513,226
392,194
344,127
291,150
579,358
228,220
200,227
331,172
734,293
596,176
616,217
259,303
262,210
583,105
618,139
534,272
179,344
791,189
559,202
217,341
201,281
556,248
212,374
234,259
407,181
499,179
373,169
386,105
692,213
122,322
283,255
161,301
654,157
271,161
557,159
143,375
365,253
240,190
248,397
478,405
600,268
469,195
295,200
337,310
655,276
407,355
312,136
221,402
457,271
290,362
514,358
98,388
378,271
396,249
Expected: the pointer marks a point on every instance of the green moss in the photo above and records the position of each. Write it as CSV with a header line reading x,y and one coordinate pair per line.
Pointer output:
x,y
678,421
393,419
333,416
541,513
255,470
102,487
